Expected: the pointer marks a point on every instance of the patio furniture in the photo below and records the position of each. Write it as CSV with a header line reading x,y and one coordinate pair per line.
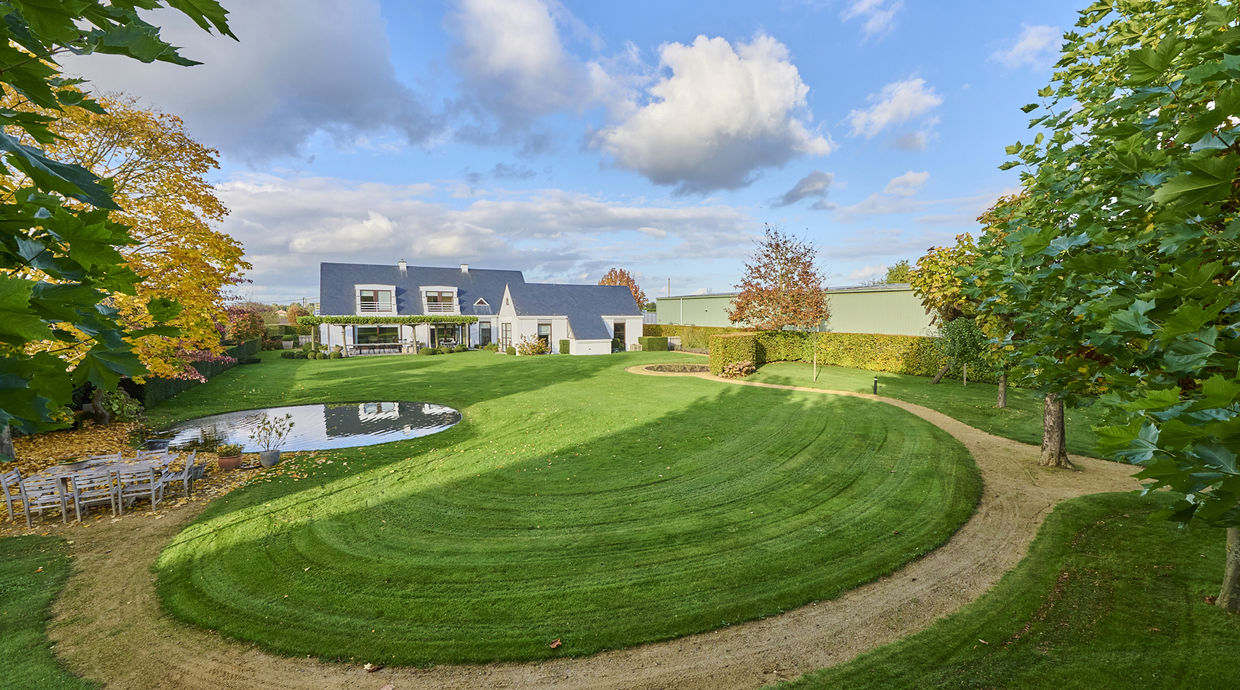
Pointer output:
x,y
44,492
91,488
134,483
153,454
101,459
10,486
186,475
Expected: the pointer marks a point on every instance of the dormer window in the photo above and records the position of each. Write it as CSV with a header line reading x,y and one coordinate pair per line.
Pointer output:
x,y
375,299
481,303
439,300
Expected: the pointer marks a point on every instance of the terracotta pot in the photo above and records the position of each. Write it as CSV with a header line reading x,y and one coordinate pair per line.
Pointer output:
x,y
269,458
231,462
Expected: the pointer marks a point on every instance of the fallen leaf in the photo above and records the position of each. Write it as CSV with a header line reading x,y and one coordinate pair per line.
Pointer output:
x,y
556,644
371,668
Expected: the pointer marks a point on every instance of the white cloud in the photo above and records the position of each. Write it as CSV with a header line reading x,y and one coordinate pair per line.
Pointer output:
x,y
897,103
723,113
816,185
300,68
906,184
289,225
865,273
1036,46
877,15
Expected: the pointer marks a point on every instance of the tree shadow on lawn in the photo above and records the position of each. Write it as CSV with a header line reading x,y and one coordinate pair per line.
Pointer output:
x,y
458,380
644,521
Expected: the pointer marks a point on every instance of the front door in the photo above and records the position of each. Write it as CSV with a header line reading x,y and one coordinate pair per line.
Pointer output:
x,y
484,333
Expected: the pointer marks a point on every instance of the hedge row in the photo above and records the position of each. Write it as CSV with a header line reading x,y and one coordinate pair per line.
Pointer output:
x,y
653,343
692,338
156,390
897,354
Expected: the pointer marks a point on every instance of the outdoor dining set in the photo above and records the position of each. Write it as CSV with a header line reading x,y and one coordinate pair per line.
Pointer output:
x,y
99,480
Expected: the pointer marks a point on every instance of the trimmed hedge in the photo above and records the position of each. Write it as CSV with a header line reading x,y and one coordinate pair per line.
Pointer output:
x,y
897,354
564,347
156,390
692,338
653,343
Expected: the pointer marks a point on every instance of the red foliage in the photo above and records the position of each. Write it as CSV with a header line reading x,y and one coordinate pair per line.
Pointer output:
x,y
782,286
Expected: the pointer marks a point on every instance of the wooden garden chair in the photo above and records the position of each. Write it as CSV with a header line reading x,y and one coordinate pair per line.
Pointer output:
x,y
135,483
186,475
44,492
93,488
10,487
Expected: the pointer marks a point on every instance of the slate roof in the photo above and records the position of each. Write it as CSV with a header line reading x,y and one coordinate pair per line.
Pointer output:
x,y
336,283
582,304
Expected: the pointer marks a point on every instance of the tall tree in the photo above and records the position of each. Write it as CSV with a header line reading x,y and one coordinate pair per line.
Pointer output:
x,y
620,276
1122,264
783,287
159,182
898,272
59,250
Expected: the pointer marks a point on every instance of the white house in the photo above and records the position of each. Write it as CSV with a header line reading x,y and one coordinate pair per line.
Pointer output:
x,y
475,307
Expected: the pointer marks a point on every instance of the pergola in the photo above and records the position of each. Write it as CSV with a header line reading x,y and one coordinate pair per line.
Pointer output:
x,y
434,320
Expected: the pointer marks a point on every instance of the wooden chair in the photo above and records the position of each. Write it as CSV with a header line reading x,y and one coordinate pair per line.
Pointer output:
x,y
152,454
138,482
186,475
102,459
10,487
44,492
93,488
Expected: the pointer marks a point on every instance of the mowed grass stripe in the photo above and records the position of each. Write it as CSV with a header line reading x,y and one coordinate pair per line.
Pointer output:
x,y
543,515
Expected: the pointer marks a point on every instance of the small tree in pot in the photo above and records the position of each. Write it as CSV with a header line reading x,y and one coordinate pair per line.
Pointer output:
x,y
269,435
229,455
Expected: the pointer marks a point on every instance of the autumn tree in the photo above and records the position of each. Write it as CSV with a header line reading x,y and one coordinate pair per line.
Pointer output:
x,y
159,182
1121,267
294,312
620,276
59,250
782,287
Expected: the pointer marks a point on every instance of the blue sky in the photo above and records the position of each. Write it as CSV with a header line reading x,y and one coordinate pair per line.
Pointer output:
x,y
566,138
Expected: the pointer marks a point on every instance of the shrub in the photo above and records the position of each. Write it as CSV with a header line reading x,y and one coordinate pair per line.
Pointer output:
x,y
460,348
653,343
249,360
530,345
427,351
738,370
733,347
510,350
299,354
313,354
228,450
897,354
272,344
289,338
120,406
617,345
288,354
336,354
337,348
491,347
564,347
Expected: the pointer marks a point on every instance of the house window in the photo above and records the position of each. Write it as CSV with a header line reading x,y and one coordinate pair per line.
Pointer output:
x,y
366,335
372,301
484,333
505,335
440,302
617,330
544,333
481,303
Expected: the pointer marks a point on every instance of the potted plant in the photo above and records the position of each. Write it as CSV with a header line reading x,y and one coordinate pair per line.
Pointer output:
x,y
270,435
229,455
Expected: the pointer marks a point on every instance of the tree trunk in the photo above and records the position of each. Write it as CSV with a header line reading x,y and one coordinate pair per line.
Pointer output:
x,y
1054,440
1002,401
6,444
1229,598
101,415
964,374
815,346
942,372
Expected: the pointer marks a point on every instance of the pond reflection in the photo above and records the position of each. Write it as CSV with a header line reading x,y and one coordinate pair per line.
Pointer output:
x,y
320,426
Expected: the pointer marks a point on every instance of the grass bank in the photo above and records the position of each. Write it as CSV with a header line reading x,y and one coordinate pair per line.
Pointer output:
x,y
33,570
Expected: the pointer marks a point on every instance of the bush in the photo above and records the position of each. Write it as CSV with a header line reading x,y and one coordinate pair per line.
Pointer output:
x,y
733,347
313,354
738,370
120,406
510,350
299,354
336,354
427,351
897,354
653,343
272,344
692,338
288,354
617,345
249,360
532,346
564,347
459,348
289,338
491,347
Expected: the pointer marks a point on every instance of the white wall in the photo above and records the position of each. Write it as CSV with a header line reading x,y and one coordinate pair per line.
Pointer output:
x,y
590,347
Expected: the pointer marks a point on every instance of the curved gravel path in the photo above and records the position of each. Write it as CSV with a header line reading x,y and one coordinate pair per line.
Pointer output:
x,y
111,597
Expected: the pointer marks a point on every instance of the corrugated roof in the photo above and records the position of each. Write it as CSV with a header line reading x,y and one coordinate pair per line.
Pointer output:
x,y
584,305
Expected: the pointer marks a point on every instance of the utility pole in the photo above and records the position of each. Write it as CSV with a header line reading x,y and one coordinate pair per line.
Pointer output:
x,y
669,287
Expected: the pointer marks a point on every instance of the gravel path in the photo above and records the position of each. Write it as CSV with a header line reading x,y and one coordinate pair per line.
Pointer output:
x,y
108,626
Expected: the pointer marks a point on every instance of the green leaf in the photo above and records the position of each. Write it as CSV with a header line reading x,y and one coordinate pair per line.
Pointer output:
x,y
1217,456
71,180
1207,182
18,325
1145,65
1132,319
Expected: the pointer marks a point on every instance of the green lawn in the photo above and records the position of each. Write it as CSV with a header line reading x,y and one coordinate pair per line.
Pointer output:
x,y
33,570
973,404
575,501
1105,599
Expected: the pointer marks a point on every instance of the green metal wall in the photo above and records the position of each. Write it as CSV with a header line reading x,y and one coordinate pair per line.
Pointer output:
x,y
887,309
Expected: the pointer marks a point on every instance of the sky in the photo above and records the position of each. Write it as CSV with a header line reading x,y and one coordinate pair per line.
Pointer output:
x,y
565,138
